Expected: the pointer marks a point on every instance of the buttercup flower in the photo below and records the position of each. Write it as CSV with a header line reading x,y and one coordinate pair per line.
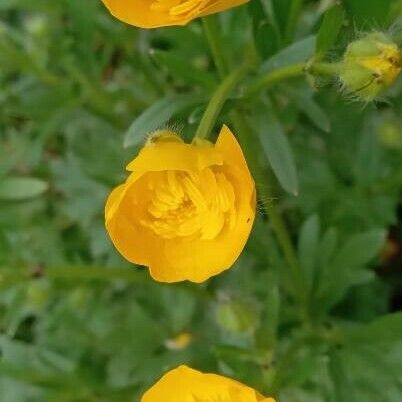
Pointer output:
x,y
159,13
370,66
184,384
186,210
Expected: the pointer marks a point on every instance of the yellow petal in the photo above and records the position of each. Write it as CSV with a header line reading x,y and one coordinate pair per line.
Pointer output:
x,y
233,156
197,260
139,13
221,5
147,14
113,201
162,156
124,209
184,384
216,255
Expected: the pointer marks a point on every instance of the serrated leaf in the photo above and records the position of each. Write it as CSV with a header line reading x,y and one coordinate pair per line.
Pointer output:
x,y
347,269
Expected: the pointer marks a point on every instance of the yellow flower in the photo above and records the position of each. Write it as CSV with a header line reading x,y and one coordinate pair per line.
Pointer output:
x,y
186,210
184,384
159,13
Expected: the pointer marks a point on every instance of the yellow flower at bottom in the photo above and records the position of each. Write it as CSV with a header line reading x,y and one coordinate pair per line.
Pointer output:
x,y
159,13
184,384
186,210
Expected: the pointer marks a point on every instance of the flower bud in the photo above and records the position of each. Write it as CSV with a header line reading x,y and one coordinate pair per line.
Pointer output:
x,y
235,316
370,66
179,342
390,132
38,294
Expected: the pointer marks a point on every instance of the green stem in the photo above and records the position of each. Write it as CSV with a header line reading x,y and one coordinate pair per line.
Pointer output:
x,y
294,70
267,80
327,69
211,30
250,147
218,99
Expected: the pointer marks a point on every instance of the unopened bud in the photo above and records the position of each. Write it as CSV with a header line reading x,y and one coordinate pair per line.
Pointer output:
x,y
370,66
236,317
179,342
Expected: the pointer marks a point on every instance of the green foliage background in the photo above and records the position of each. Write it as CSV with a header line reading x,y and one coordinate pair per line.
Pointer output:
x,y
79,324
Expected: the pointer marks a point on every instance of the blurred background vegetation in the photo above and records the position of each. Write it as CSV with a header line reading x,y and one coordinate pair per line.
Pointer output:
x,y
79,324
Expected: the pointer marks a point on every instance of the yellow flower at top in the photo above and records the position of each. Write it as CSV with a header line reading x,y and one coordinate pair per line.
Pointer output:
x,y
186,210
184,384
160,13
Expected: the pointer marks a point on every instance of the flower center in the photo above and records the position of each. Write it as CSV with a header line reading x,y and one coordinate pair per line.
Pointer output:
x,y
178,8
387,65
185,204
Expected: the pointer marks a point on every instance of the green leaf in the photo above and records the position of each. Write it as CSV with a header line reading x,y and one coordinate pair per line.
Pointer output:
x,y
304,98
266,36
343,389
281,11
368,13
327,247
360,250
347,268
178,68
367,164
21,188
329,30
157,116
266,39
297,52
278,150
385,329
308,247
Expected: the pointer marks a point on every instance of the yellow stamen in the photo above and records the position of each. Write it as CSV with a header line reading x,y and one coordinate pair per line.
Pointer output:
x,y
182,206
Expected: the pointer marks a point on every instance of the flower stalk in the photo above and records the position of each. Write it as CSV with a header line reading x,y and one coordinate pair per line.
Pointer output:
x,y
249,146
218,99
211,31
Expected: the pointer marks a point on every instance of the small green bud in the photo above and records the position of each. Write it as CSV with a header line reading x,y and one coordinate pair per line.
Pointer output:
x,y
234,316
36,25
370,66
390,132
79,297
38,294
